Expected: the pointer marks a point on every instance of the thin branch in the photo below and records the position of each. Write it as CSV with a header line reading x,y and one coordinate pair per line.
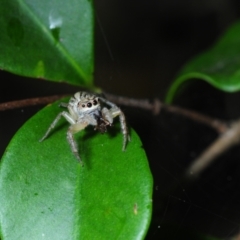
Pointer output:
x,y
130,102
29,102
227,140
216,124
157,105
230,135
237,237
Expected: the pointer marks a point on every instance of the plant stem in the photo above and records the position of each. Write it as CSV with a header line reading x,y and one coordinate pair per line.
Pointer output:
x,y
229,134
157,105
228,139
29,102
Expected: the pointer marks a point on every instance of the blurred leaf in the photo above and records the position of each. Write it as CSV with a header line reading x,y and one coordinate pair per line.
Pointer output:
x,y
219,66
47,194
48,39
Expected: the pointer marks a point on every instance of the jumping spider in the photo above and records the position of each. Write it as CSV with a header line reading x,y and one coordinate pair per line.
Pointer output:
x,y
85,109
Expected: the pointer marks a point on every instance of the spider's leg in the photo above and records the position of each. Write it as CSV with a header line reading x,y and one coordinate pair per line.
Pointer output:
x,y
73,145
63,104
111,104
73,129
117,112
53,124
107,114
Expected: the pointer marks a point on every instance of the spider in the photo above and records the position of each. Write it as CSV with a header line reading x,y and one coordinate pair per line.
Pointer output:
x,y
85,109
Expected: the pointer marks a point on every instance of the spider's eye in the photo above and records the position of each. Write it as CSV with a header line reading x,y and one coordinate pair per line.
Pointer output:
x,y
94,102
83,105
89,105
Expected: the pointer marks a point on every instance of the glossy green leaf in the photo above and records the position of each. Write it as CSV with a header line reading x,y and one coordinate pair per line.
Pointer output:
x,y
47,194
219,66
48,39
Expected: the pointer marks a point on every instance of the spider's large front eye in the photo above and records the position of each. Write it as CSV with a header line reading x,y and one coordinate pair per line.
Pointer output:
x,y
83,105
95,102
89,105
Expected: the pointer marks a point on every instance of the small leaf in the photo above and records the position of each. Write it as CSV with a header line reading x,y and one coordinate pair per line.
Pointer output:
x,y
47,194
219,66
48,39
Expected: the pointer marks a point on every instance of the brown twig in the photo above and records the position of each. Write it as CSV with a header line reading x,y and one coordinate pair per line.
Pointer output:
x,y
216,124
145,104
230,135
29,102
237,237
157,105
130,102
228,139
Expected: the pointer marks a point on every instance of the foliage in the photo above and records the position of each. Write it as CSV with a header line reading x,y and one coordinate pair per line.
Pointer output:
x,y
48,39
45,192
110,197
218,66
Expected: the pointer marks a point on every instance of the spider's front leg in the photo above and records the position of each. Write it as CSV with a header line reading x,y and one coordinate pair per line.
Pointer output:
x,y
53,124
117,112
113,112
74,129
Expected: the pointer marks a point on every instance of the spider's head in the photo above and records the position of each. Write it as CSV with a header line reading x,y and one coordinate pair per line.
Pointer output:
x,y
89,105
84,103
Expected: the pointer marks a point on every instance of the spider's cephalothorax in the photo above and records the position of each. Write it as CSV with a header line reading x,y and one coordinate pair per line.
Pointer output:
x,y
85,109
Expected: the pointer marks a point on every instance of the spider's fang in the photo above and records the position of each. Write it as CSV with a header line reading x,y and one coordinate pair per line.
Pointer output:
x,y
101,123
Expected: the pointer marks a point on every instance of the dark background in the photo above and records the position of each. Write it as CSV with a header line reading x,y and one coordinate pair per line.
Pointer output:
x,y
139,48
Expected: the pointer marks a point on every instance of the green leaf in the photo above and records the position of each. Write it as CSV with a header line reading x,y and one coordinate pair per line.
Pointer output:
x,y
48,39
47,194
219,66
